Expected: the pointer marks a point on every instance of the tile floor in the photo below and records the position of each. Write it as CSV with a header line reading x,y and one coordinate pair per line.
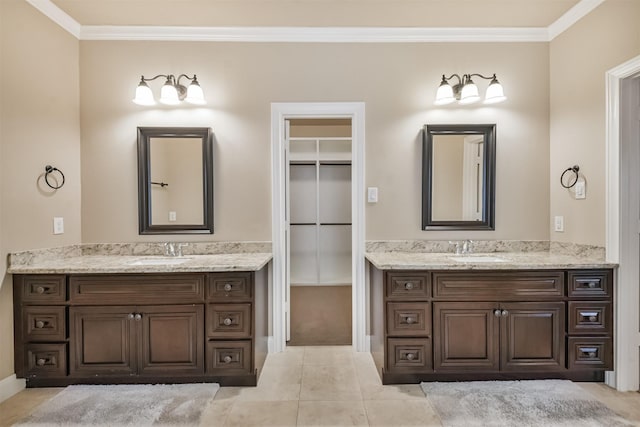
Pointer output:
x,y
319,386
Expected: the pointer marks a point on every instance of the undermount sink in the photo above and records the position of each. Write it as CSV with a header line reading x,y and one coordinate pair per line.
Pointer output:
x,y
159,261
476,258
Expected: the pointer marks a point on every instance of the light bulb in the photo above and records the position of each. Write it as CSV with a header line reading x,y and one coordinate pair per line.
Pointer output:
x,y
194,93
144,96
169,93
469,93
495,92
444,95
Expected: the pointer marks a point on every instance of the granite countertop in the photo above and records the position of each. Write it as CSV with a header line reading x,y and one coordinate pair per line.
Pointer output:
x,y
483,261
141,258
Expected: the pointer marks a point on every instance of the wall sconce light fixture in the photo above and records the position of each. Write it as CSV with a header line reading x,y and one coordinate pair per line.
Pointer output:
x,y
172,91
466,91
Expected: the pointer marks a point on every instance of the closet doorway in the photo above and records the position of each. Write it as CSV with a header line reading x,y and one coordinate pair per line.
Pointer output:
x,y
320,227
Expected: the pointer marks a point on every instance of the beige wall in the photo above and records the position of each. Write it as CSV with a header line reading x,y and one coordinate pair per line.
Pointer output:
x,y
39,125
579,59
396,81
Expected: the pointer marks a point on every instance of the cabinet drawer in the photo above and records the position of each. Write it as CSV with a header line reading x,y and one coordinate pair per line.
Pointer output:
x,y
590,353
229,357
590,317
409,318
44,323
136,289
498,286
46,360
45,289
409,355
408,285
229,287
597,283
229,320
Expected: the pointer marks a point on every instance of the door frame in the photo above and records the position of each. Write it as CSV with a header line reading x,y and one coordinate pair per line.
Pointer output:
x,y
627,309
281,111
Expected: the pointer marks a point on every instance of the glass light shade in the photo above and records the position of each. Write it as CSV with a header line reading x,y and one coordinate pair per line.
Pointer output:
x,y
469,93
495,93
444,95
144,96
169,94
195,94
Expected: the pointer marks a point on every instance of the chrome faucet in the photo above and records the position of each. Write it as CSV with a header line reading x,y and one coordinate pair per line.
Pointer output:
x,y
463,247
174,249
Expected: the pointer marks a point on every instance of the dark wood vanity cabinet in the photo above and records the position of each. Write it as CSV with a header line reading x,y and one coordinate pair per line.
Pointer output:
x,y
457,325
139,328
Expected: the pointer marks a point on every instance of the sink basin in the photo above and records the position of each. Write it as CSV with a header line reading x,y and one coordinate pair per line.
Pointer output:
x,y
159,261
476,258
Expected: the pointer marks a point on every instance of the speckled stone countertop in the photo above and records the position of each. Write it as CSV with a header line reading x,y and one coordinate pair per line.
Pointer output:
x,y
489,255
142,258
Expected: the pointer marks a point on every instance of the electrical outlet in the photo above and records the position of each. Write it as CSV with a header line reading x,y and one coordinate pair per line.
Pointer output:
x,y
58,225
172,216
372,194
581,190
558,223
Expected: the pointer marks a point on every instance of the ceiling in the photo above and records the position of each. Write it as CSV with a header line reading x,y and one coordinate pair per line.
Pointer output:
x,y
318,13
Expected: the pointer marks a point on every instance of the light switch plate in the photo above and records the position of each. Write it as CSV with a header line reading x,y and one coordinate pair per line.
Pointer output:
x,y
372,194
58,225
172,216
558,223
581,190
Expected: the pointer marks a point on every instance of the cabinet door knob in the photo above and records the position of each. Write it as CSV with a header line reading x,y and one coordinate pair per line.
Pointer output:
x,y
227,321
227,359
227,287
408,286
41,362
410,356
497,312
40,289
593,318
592,285
130,316
138,316
504,313
39,324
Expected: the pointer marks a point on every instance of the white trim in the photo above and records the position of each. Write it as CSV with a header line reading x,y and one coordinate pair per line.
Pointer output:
x,y
573,15
58,16
627,338
317,34
280,112
10,386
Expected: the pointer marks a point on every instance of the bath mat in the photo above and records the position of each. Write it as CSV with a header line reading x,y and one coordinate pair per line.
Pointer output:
x,y
549,403
124,405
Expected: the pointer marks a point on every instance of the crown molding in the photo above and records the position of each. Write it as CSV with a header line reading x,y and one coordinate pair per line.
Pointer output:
x,y
58,16
316,34
573,15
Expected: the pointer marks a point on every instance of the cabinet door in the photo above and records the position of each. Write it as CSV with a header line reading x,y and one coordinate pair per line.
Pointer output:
x,y
465,336
102,341
171,339
532,336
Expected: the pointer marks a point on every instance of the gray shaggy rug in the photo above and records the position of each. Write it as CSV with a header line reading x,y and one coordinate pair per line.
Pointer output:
x,y
124,405
557,403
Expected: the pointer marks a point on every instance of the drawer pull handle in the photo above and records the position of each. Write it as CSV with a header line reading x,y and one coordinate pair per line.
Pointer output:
x,y
410,356
138,316
227,359
592,355
592,285
497,313
41,362
40,324
227,321
593,318
41,289
410,320
228,287
408,286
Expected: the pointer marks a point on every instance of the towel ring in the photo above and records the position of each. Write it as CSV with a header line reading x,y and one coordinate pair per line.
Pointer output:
x,y
49,170
573,169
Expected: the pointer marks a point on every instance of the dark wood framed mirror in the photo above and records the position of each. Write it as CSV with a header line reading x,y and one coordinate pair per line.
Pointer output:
x,y
175,180
458,177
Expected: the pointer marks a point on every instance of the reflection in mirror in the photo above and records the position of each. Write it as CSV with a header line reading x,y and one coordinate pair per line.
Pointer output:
x,y
458,177
175,186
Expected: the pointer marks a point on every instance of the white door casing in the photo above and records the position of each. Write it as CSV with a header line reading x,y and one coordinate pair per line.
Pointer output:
x,y
619,224
280,112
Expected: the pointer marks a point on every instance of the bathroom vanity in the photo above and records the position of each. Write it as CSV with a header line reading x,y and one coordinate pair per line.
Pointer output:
x,y
117,320
434,318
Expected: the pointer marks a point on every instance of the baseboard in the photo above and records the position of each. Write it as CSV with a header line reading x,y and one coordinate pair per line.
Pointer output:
x,y
10,386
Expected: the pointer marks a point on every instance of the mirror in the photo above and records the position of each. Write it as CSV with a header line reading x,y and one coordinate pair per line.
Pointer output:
x,y
458,177
175,180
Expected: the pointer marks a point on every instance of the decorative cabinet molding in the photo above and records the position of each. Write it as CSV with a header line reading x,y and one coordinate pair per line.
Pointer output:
x,y
469,325
139,328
